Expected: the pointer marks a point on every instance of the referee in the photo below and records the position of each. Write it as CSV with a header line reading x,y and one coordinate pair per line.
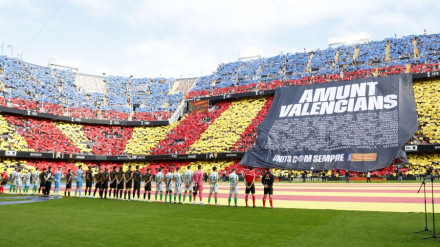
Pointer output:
x,y
267,181
48,179
249,180
42,181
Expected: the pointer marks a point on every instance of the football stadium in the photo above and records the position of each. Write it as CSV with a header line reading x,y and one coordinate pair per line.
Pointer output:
x,y
331,146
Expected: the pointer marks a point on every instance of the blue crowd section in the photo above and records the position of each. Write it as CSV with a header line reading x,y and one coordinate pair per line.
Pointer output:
x,y
27,81
412,50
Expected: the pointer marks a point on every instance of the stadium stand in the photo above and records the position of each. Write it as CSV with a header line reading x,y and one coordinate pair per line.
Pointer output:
x,y
227,126
389,56
145,138
10,140
42,135
427,96
64,92
225,131
189,130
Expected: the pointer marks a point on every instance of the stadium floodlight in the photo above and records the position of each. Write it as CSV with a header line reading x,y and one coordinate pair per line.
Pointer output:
x,y
349,39
249,53
55,62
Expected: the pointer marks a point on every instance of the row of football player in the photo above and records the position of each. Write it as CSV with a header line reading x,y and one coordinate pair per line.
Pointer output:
x,y
130,182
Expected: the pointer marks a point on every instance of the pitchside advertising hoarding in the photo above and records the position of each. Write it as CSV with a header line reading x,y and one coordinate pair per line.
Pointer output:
x,y
359,125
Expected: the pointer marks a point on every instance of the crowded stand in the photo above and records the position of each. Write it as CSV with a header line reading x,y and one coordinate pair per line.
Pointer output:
x,y
227,126
223,133
58,91
374,58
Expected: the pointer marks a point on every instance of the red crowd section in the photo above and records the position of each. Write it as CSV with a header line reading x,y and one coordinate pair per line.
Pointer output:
x,y
108,140
364,73
41,135
116,115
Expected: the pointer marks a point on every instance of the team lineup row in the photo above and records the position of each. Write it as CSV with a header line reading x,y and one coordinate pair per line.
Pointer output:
x,y
129,182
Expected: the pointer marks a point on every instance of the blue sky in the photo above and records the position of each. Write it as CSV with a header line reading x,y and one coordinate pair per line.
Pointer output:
x,y
192,37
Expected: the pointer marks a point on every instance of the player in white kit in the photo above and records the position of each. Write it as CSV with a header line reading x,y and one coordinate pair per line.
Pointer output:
x,y
188,184
177,177
13,187
213,185
159,184
27,182
35,180
19,181
233,189
169,185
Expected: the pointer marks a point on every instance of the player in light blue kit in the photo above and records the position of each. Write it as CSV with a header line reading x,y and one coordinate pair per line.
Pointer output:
x,y
79,180
57,177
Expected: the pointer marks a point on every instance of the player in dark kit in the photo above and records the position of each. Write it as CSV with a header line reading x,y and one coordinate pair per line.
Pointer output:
x,y
48,178
42,181
68,183
249,180
98,182
120,182
105,177
147,179
137,183
89,181
113,183
128,178
267,181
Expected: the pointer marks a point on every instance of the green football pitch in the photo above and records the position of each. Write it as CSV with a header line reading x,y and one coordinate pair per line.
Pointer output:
x,y
96,222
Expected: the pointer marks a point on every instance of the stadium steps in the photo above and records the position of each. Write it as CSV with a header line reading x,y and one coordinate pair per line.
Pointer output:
x,y
415,49
309,63
335,62
173,88
356,53
387,52
408,68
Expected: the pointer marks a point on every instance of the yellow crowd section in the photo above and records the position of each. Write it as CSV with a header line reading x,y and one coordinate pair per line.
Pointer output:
x,y
427,97
9,139
208,165
11,164
144,139
75,133
418,163
226,129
